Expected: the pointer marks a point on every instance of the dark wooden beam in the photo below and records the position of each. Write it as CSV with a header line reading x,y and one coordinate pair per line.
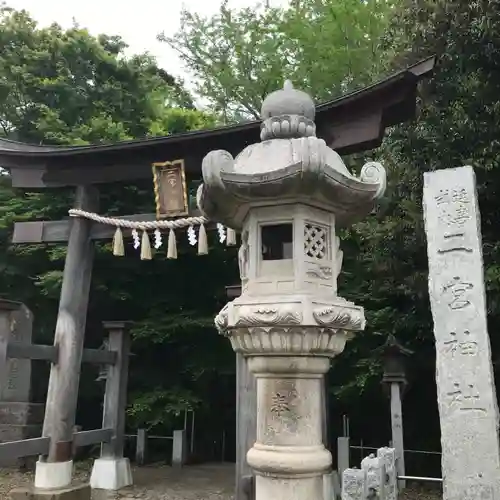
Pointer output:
x,y
59,230
99,356
50,353
368,128
31,178
85,438
24,448
100,175
28,351
40,445
233,291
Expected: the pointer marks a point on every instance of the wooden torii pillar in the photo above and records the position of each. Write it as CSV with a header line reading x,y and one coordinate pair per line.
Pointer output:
x,y
55,470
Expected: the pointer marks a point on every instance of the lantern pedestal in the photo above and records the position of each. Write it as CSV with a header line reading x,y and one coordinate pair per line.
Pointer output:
x,y
288,341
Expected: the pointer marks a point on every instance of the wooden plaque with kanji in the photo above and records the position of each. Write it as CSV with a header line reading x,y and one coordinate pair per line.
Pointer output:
x,y
170,189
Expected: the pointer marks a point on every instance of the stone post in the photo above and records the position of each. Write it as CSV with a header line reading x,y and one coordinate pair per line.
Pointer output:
x,y
343,455
388,458
395,381
467,399
288,195
179,448
19,417
141,447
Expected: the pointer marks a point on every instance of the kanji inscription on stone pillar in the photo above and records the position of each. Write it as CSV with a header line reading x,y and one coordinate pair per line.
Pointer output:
x,y
464,372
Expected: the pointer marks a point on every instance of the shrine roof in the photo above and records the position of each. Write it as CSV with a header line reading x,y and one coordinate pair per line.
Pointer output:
x,y
352,123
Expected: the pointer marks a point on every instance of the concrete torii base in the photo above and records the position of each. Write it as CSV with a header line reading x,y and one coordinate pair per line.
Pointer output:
x,y
74,492
111,474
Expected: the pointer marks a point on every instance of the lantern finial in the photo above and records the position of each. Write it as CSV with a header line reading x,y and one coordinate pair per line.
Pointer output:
x,y
289,102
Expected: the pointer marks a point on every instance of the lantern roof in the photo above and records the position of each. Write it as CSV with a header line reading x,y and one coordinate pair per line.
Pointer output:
x,y
392,346
289,165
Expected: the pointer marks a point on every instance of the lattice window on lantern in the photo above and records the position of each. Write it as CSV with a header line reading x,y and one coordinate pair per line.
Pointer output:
x,y
316,241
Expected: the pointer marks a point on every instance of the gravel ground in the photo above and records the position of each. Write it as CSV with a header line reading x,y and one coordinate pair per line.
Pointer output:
x,y
161,482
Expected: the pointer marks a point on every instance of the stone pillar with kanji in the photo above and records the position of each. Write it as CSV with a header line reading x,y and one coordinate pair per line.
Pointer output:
x,y
288,195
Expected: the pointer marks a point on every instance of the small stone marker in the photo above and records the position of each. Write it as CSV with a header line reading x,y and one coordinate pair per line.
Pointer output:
x,y
19,418
17,386
388,457
375,477
464,373
353,484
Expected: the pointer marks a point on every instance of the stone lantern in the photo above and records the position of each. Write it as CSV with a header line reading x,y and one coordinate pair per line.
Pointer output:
x,y
394,381
288,195
394,362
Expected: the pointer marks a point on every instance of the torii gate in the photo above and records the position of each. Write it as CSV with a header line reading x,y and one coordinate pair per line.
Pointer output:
x,y
353,123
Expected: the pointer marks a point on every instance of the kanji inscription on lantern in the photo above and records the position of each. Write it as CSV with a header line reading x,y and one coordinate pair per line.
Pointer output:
x,y
461,343
284,415
457,293
464,373
282,404
170,189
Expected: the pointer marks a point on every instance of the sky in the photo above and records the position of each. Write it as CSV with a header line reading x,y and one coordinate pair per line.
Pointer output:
x,y
137,22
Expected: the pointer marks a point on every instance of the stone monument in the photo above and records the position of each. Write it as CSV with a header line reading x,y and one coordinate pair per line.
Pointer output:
x,y
464,373
288,195
19,418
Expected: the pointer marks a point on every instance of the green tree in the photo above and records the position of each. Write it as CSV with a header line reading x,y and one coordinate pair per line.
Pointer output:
x,y
67,87
238,56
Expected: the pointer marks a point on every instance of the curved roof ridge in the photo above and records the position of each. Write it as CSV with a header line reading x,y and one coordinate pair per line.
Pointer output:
x,y
11,145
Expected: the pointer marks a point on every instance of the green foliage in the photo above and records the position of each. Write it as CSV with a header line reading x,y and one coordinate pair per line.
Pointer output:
x,y
238,56
178,120
344,54
160,407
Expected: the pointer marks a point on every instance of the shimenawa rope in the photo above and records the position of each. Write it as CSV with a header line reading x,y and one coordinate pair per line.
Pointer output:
x,y
157,225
